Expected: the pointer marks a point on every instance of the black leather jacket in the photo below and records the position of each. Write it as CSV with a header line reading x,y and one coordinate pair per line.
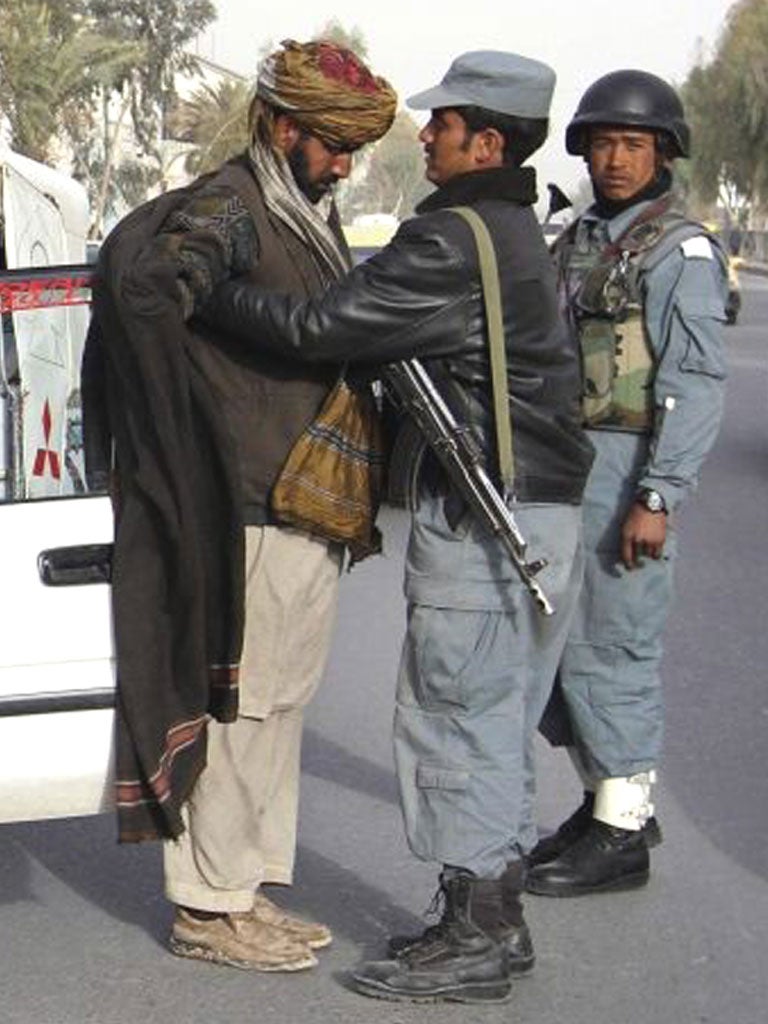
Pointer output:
x,y
421,296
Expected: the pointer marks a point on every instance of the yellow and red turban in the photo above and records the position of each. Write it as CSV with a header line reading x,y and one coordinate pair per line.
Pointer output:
x,y
328,91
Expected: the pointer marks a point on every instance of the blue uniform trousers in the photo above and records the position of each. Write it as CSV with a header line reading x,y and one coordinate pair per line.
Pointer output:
x,y
610,668
477,668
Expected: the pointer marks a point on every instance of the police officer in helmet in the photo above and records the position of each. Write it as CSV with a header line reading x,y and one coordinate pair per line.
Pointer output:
x,y
644,289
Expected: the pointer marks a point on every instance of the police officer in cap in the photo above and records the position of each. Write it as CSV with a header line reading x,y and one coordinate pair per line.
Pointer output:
x,y
643,289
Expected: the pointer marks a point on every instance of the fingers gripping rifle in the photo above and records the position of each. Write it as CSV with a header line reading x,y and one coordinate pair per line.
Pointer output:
x,y
458,452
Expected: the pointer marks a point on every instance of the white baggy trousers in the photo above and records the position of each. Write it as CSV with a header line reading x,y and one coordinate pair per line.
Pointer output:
x,y
241,816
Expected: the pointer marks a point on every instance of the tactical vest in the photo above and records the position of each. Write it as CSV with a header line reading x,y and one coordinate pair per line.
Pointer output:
x,y
601,286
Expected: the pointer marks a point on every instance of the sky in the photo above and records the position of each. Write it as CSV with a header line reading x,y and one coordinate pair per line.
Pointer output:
x,y
412,43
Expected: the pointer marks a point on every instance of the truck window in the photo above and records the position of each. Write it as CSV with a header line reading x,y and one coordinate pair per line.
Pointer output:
x,y
45,312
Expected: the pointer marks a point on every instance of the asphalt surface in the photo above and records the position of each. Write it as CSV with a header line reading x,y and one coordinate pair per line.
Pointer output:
x,y
83,921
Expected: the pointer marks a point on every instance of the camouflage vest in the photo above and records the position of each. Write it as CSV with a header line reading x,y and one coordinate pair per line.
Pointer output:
x,y
601,285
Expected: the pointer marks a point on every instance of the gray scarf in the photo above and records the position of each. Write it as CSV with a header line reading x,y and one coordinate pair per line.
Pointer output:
x,y
307,220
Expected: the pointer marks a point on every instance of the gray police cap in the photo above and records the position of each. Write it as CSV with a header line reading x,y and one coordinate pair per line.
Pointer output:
x,y
503,82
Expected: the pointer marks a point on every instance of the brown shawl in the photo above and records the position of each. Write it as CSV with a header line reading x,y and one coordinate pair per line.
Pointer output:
x,y
178,559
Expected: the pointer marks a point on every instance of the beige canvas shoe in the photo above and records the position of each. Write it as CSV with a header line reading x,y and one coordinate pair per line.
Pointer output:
x,y
238,940
311,933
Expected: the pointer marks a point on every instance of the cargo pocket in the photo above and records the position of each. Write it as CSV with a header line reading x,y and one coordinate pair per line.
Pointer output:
x,y
440,657
429,776
441,794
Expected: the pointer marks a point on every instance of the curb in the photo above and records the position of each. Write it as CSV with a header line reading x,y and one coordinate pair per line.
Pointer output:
x,y
753,268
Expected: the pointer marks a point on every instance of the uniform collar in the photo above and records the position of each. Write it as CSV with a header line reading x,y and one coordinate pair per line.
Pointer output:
x,y
514,184
615,227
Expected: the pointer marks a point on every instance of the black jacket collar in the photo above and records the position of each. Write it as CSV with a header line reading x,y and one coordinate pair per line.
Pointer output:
x,y
515,184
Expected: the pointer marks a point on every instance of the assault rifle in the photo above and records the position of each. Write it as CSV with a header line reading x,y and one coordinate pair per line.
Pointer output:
x,y
458,452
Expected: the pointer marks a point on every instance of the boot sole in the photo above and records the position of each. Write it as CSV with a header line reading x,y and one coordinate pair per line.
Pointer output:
x,y
194,951
520,967
492,992
626,882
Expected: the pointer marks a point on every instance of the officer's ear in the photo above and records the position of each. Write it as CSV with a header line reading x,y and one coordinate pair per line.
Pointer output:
x,y
489,148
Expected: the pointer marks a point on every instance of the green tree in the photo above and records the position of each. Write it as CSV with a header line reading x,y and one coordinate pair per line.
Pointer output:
x,y
395,180
727,105
145,90
214,121
163,28
353,39
51,66
83,70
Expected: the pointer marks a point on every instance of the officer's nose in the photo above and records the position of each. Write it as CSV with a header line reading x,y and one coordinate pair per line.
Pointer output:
x,y
426,135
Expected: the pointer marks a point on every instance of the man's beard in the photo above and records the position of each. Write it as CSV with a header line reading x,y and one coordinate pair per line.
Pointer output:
x,y
313,190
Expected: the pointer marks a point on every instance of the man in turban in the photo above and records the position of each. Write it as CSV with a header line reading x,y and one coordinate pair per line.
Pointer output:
x,y
204,571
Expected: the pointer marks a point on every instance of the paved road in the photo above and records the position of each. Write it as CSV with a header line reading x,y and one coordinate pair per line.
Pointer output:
x,y
82,921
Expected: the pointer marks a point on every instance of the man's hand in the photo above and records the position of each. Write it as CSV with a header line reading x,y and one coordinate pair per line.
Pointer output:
x,y
643,533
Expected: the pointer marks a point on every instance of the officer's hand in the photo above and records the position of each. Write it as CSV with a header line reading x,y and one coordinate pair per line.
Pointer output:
x,y
643,533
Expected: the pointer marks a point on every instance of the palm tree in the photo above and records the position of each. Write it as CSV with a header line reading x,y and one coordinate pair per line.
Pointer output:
x,y
214,121
49,72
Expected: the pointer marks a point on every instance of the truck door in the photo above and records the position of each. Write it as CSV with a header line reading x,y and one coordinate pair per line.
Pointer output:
x,y
56,662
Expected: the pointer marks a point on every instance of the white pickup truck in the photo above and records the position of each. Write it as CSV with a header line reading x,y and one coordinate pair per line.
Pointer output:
x,y
56,660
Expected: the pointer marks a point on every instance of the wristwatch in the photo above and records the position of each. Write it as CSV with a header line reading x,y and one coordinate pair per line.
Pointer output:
x,y
651,500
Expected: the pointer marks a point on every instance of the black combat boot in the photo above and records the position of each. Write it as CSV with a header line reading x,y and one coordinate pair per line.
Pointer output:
x,y
458,960
603,859
550,847
510,929
514,932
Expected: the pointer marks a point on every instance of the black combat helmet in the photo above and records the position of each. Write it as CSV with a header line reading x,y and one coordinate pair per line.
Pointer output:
x,y
629,98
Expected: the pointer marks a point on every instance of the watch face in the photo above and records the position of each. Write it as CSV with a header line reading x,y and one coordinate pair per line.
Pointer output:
x,y
653,501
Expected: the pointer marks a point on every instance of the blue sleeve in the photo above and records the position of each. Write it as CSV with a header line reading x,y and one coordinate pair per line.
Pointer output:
x,y
685,312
